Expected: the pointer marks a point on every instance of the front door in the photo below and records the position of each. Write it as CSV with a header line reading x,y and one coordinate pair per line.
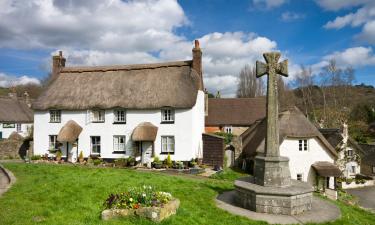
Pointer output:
x,y
146,151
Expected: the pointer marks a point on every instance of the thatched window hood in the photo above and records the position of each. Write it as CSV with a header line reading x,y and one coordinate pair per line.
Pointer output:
x,y
145,132
144,86
69,132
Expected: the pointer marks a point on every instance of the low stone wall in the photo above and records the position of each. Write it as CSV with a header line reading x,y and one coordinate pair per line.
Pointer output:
x,y
344,185
12,149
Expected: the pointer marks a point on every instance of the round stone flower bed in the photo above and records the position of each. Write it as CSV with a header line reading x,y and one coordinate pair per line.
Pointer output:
x,y
142,201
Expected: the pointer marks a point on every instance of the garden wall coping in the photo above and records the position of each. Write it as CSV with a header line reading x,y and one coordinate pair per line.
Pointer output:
x,y
7,179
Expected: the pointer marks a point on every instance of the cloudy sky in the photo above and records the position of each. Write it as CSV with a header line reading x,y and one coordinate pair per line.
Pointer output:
x,y
231,33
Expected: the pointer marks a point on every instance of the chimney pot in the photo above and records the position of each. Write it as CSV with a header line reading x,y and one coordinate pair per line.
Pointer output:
x,y
60,53
196,44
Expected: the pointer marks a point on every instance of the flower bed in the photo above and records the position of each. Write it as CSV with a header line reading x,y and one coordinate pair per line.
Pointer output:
x,y
141,201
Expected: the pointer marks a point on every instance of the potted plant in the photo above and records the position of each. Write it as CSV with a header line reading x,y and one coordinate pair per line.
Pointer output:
x,y
157,164
80,157
58,156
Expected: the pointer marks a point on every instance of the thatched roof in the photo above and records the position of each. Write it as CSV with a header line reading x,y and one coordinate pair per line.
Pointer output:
x,y
335,138
15,136
15,110
292,124
326,169
235,111
368,156
145,132
69,132
143,86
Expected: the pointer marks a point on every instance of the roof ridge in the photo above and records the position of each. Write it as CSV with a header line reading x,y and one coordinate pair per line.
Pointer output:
x,y
80,69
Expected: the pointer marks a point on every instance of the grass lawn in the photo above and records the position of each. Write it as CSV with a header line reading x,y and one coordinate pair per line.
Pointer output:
x,y
63,194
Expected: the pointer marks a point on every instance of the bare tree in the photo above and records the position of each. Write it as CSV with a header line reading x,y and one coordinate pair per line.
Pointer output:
x,y
305,82
248,85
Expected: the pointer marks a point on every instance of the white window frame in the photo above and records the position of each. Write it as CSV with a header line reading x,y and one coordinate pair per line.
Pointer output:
x,y
52,142
168,145
303,145
19,127
55,116
117,146
117,117
98,115
167,115
351,152
95,145
228,129
299,175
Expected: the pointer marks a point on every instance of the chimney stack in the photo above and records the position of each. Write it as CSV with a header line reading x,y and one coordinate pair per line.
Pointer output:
x,y
58,61
197,61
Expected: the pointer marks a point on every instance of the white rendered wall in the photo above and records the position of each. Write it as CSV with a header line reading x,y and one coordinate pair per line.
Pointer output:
x,y
301,161
7,131
187,130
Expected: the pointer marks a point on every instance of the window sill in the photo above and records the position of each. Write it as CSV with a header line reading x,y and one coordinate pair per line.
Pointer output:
x,y
167,122
119,152
97,121
119,122
54,121
166,153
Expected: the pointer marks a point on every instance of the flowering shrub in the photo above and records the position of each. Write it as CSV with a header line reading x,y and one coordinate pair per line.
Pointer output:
x,y
145,196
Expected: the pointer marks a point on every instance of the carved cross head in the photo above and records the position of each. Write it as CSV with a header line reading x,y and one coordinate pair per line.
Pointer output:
x,y
272,67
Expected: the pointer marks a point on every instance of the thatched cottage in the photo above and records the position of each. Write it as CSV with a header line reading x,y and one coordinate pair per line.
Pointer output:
x,y
15,115
142,110
311,157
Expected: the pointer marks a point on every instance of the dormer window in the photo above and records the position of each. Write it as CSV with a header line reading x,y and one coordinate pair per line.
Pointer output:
x,y
167,116
55,116
119,116
302,145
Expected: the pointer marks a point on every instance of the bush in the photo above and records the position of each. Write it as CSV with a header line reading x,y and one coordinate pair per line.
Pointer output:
x,y
135,198
169,161
227,137
96,162
36,157
349,180
156,159
121,162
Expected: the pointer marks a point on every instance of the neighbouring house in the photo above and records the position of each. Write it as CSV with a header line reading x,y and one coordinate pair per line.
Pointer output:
x,y
311,157
15,115
233,116
349,152
368,160
112,112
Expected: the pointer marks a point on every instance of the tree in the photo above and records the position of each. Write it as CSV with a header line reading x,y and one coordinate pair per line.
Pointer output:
x,y
248,85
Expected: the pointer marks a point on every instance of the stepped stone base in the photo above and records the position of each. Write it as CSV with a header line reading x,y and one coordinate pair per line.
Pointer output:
x,y
292,200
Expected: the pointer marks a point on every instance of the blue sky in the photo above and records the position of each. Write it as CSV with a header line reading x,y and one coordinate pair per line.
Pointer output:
x,y
232,33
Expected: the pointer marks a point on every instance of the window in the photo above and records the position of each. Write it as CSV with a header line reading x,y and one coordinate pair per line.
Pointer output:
x,y
18,128
95,145
167,115
349,153
97,116
302,145
299,176
55,116
167,144
9,125
119,144
353,169
120,116
228,130
53,143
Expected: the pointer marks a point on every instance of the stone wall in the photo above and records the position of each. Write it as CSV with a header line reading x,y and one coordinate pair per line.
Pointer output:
x,y
12,149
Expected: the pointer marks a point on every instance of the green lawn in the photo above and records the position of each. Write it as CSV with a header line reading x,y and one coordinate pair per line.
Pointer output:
x,y
62,194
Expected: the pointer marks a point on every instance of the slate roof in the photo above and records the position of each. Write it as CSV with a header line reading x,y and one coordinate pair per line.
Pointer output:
x,y
235,111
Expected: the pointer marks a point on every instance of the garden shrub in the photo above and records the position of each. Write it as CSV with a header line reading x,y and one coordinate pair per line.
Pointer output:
x,y
36,157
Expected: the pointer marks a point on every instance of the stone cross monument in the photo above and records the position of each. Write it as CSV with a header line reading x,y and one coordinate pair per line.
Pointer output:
x,y
271,190
271,169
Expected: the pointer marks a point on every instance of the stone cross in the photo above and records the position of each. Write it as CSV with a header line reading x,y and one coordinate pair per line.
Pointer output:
x,y
272,68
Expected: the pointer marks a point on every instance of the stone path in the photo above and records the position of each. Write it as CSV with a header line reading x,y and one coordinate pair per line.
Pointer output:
x,y
322,211
6,179
365,195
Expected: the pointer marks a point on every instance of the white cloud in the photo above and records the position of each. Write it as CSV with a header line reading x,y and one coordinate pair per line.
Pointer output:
x,y
226,84
291,16
268,4
9,80
368,32
335,5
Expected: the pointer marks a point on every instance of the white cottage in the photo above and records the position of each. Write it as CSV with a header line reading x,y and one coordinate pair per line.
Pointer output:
x,y
15,116
111,112
311,157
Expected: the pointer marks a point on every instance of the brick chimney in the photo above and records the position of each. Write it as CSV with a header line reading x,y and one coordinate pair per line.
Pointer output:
x,y
58,61
197,61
